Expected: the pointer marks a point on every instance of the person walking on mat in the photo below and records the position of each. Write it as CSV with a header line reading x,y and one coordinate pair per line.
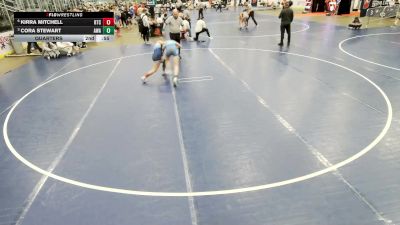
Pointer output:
x,y
250,11
201,7
286,17
219,6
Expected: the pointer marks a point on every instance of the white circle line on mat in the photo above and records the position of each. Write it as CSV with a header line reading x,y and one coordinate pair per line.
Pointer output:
x,y
202,193
362,59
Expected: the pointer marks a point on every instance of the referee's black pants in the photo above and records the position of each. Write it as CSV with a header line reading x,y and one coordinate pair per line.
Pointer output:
x,y
283,28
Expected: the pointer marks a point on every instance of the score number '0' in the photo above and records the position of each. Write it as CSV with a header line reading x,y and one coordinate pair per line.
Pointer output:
x,y
108,21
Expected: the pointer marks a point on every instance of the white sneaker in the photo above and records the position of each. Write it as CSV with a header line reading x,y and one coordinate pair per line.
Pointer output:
x,y
175,81
143,79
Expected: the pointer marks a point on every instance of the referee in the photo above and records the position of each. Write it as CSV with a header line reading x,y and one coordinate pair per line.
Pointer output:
x,y
286,17
174,23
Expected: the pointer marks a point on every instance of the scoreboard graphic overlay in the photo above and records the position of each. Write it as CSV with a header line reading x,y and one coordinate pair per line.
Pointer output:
x,y
64,26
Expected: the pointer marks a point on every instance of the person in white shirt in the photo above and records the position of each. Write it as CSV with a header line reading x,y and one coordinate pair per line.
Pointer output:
x,y
146,26
219,5
200,7
186,15
185,28
250,11
200,28
179,5
159,20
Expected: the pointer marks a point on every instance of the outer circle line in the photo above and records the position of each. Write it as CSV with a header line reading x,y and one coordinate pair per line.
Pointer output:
x,y
202,193
359,58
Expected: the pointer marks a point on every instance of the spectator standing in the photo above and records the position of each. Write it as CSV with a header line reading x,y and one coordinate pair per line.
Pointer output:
x,y
146,26
286,17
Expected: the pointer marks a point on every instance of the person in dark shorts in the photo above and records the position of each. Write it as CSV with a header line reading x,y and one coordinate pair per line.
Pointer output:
x,y
201,8
286,17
